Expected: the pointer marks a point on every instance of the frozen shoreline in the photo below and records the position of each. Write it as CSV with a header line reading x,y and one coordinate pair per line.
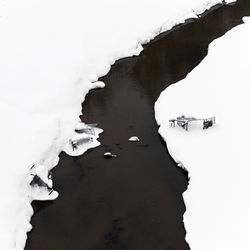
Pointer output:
x,y
40,62
216,199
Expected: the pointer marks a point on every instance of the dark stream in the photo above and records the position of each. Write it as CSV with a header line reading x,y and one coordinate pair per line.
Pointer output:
x,y
134,201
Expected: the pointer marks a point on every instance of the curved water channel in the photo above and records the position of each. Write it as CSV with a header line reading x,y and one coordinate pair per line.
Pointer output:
x,y
133,201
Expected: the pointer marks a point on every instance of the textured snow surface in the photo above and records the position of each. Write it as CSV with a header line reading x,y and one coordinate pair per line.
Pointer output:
x,y
52,53
217,198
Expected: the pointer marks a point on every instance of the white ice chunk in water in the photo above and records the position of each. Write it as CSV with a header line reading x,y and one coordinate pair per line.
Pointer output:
x,y
134,139
109,155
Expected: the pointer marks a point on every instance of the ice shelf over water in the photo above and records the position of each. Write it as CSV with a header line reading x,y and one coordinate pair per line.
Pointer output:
x,y
217,198
51,54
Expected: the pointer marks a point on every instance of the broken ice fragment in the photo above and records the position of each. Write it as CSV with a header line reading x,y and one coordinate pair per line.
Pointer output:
x,y
134,138
109,155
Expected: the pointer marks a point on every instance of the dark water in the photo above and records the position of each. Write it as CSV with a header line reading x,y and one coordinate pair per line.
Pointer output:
x,y
135,200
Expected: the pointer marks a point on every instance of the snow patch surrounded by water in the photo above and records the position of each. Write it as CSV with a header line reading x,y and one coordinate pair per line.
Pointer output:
x,y
217,198
52,54
134,139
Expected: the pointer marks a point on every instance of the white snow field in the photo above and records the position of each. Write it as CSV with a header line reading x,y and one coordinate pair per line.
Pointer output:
x,y
51,54
217,198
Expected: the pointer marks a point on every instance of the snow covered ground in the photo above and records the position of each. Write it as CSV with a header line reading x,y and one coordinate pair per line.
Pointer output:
x,y
52,53
217,198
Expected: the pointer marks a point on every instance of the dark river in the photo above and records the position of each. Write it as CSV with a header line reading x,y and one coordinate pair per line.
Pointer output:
x,y
134,201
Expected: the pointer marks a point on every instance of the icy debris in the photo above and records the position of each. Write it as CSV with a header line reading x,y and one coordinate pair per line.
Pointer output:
x,y
134,138
180,165
85,128
84,133
42,194
109,155
99,84
41,183
183,121
78,139
84,138
80,126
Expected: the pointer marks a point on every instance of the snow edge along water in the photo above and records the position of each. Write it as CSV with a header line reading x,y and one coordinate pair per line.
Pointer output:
x,y
94,83
48,159
217,199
